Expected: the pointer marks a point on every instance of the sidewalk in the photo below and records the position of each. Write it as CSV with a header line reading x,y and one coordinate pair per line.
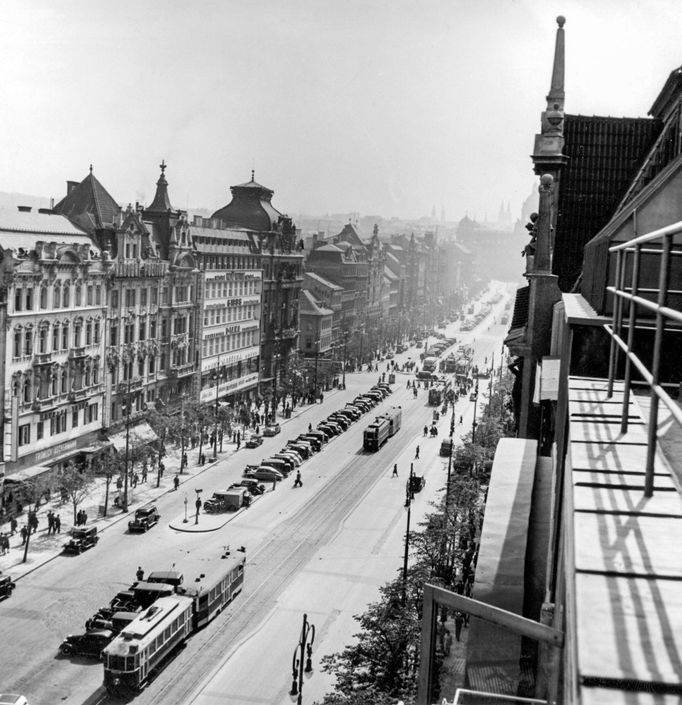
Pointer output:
x,y
44,548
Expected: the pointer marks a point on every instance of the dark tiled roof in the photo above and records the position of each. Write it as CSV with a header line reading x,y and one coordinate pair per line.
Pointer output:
x,y
89,205
604,155
250,207
520,316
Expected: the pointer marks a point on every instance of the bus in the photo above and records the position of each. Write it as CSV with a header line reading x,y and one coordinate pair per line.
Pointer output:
x,y
376,434
213,587
430,364
134,656
394,416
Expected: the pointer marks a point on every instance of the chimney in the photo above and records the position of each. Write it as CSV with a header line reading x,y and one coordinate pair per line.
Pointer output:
x,y
47,211
70,186
24,209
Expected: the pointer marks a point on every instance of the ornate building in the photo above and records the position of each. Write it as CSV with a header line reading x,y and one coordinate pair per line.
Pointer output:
x,y
281,261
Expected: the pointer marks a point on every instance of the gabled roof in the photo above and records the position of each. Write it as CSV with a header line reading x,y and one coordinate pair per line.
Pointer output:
x,y
89,206
308,304
323,282
350,235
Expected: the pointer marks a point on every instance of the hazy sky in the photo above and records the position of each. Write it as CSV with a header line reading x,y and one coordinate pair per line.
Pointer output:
x,y
385,107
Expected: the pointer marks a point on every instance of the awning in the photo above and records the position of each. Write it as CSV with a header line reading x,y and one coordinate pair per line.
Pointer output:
x,y
138,435
27,473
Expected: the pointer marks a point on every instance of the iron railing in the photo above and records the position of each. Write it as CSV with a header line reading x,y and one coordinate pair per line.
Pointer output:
x,y
630,296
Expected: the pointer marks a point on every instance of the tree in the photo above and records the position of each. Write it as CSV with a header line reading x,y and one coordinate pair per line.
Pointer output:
x,y
32,492
75,485
110,465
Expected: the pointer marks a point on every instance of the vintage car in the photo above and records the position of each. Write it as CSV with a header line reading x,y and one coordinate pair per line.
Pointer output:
x,y
88,644
272,429
254,441
6,586
416,483
228,501
144,519
263,472
82,537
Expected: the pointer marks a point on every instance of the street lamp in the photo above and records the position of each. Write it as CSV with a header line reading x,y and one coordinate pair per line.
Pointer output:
x,y
304,648
452,444
275,364
182,434
197,505
184,521
345,342
216,376
473,425
409,496
317,357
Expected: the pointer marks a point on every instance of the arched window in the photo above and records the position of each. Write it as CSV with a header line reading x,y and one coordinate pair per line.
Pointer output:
x,y
17,342
28,341
79,295
88,333
42,339
95,372
27,390
54,382
87,375
55,337
43,297
64,382
66,296
65,335
57,294
77,330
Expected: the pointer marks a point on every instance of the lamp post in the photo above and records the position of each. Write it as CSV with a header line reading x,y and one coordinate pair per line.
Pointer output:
x,y
304,648
184,521
182,434
345,342
275,365
409,496
216,373
197,505
317,358
473,425
127,455
452,445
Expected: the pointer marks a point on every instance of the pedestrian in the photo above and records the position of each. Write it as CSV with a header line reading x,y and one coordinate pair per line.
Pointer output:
x,y
310,427
144,471
139,573
298,482
57,524
239,442
24,534
426,430
460,419
85,517
134,480
459,623
416,455
49,522
203,458
176,482
395,470
13,525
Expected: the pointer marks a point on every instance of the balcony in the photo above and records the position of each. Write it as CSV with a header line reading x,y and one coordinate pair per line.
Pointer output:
x,y
42,359
42,404
78,394
131,384
176,371
77,353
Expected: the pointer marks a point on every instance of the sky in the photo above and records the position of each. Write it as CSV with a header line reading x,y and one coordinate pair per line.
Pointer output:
x,y
380,107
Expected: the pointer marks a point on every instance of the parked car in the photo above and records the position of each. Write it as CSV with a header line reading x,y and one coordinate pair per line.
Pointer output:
x,y
253,486
6,586
336,428
123,601
264,473
12,699
314,441
292,457
352,412
144,519
341,420
284,466
82,537
321,437
327,431
254,441
88,644
445,447
272,429
303,449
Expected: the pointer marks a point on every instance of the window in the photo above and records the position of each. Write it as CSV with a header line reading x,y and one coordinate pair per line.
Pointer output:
x,y
66,296
140,368
43,297
155,297
164,296
143,330
17,343
152,329
152,364
114,299
97,332
74,418
143,296
39,430
98,295
42,340
28,342
65,336
129,333
54,384
57,295
130,297
55,337
88,374
25,434
79,296
95,375
26,395
77,330
164,327
90,295
88,333
65,382
18,299
93,411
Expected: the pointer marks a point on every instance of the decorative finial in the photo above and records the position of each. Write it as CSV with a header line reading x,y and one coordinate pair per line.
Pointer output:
x,y
162,166
546,180
561,21
253,175
91,168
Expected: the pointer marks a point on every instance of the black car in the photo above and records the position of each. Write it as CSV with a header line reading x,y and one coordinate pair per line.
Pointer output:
x,y
81,538
6,586
341,420
88,644
314,441
254,441
145,518
303,450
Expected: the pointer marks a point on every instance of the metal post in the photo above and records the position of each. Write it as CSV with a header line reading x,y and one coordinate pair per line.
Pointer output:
x,y
317,357
408,502
345,341
656,367
613,352
631,336
473,425
452,443
215,431
125,474
182,434
303,650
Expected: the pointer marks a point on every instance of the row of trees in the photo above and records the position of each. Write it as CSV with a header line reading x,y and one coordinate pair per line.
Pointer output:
x,y
381,666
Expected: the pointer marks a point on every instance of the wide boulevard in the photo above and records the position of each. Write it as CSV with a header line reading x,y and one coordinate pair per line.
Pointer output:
x,y
322,549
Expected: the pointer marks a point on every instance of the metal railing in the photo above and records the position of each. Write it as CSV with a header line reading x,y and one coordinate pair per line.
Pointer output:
x,y
630,297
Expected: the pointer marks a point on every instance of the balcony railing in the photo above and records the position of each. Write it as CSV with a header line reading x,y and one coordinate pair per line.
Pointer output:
x,y
630,296
76,353
181,370
42,359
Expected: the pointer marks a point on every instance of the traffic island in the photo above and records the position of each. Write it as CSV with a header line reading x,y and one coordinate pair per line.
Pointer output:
x,y
207,521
